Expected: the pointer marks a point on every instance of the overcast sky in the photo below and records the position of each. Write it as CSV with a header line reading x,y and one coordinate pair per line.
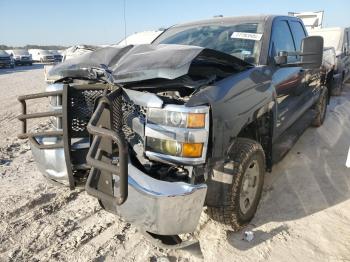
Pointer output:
x,y
68,22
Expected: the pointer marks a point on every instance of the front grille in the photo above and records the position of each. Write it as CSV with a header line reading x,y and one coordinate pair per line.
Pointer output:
x,y
128,122
81,103
5,59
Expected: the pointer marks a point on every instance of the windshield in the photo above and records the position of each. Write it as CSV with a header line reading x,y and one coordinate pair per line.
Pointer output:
x,y
45,52
331,38
241,40
20,52
3,53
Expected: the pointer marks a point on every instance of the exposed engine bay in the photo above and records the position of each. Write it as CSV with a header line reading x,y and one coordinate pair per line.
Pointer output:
x,y
167,139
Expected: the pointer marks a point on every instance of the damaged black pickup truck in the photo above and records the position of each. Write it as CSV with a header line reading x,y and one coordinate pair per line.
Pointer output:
x,y
156,132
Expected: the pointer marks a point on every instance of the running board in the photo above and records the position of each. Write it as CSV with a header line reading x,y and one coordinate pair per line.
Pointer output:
x,y
286,141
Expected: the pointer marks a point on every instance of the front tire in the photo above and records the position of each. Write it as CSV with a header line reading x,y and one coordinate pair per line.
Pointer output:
x,y
242,196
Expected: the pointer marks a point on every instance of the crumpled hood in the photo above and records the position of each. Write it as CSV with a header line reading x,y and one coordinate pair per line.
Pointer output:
x,y
143,62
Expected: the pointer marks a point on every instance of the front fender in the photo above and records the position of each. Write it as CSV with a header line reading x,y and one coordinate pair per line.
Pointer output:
x,y
235,102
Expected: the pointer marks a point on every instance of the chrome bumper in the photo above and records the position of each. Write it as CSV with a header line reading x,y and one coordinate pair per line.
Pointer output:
x,y
155,206
52,162
164,208
159,207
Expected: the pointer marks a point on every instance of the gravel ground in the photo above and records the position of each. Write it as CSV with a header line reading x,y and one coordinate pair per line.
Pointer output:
x,y
304,214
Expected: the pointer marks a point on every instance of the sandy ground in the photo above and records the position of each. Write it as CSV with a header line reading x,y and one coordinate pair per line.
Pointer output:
x,y
304,214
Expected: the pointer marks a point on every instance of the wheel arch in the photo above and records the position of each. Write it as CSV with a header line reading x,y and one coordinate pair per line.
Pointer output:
x,y
260,129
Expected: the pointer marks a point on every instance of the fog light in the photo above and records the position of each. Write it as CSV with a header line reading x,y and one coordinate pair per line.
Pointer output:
x,y
174,148
167,147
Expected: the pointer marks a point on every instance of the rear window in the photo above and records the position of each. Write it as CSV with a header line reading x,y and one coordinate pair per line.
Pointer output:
x,y
20,52
3,53
45,52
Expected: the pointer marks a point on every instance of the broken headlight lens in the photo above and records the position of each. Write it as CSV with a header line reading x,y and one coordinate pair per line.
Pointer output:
x,y
176,119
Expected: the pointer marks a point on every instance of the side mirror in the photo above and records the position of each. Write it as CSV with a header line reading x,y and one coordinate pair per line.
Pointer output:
x,y
346,51
311,52
282,58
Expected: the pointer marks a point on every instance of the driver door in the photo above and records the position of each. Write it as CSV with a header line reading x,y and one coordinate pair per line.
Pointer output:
x,y
289,82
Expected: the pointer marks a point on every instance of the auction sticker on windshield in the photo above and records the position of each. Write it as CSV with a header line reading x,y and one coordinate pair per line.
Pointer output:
x,y
248,36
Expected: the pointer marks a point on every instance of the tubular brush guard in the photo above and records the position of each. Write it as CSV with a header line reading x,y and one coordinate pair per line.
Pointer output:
x,y
106,127
75,112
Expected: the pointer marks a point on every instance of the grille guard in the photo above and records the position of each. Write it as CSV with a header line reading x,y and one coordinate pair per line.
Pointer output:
x,y
105,127
66,134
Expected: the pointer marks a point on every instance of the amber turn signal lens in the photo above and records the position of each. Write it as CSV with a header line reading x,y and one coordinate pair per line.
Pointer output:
x,y
192,150
195,120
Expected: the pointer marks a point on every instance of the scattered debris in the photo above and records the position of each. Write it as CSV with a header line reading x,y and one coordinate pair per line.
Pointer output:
x,y
248,236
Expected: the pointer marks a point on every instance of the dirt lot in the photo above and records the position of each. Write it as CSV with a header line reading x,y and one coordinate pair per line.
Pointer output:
x,y
304,214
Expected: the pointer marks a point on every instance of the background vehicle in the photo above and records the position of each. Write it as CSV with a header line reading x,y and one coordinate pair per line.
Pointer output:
x,y
194,119
43,56
311,20
6,59
333,81
145,37
78,50
57,56
339,38
22,57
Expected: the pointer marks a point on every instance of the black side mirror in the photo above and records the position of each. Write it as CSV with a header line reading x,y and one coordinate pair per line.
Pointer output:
x,y
312,52
282,58
346,51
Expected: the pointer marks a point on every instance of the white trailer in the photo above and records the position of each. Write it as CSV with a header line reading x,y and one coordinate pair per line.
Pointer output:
x,y
311,20
339,38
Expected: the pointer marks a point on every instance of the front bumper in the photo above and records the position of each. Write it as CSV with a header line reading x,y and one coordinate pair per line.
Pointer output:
x,y
6,63
23,62
159,207
155,206
52,162
47,60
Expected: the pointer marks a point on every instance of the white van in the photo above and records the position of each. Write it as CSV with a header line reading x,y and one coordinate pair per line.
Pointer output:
x,y
43,56
339,38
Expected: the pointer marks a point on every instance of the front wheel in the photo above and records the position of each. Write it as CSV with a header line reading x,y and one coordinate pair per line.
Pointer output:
x,y
247,167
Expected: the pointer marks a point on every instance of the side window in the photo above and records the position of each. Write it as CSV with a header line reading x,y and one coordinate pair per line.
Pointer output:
x,y
282,39
298,33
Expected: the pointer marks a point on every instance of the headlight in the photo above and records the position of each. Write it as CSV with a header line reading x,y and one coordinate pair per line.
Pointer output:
x,y
177,133
176,119
174,148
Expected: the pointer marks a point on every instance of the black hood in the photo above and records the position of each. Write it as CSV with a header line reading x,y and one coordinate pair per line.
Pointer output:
x,y
144,62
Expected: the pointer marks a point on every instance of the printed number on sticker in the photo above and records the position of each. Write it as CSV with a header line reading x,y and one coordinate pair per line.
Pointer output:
x,y
249,36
